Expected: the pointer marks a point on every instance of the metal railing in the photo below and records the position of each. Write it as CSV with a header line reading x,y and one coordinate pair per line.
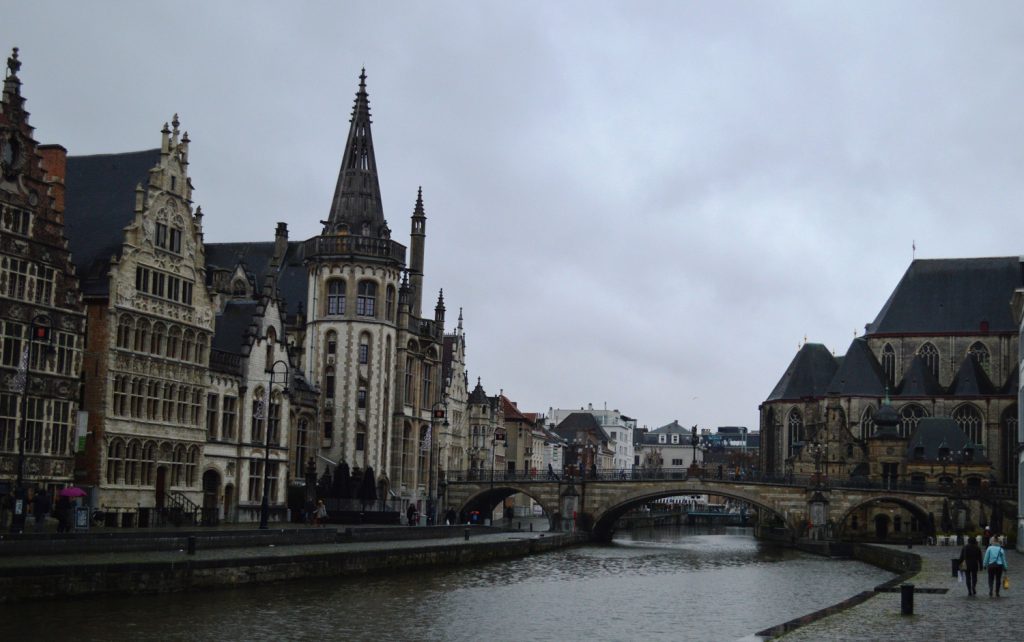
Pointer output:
x,y
354,246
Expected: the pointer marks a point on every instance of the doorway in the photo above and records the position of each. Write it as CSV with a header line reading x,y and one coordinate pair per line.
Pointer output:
x,y
211,497
881,527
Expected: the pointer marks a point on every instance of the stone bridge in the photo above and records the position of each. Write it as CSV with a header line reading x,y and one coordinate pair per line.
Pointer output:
x,y
597,504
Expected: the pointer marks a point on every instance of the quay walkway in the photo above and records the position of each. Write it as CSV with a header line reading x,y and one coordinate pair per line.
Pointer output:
x,y
938,616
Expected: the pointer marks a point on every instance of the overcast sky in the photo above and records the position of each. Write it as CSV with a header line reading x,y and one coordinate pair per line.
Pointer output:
x,y
647,205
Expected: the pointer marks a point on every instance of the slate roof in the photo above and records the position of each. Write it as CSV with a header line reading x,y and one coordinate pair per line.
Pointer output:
x,y
577,422
99,203
477,396
933,433
859,374
971,380
808,375
668,429
291,278
919,381
939,296
232,326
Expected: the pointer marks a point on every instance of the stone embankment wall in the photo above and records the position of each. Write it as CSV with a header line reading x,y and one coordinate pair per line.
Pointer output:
x,y
34,582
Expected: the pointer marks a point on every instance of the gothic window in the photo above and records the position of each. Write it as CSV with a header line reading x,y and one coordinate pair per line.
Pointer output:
x,y
255,479
183,409
67,352
174,244
1009,454
168,401
197,406
366,303
408,380
258,416
930,355
60,429
115,462
191,465
336,297
141,335
238,287
980,354
301,437
274,419
889,365
910,415
132,466
156,344
153,400
428,383
35,417
332,342
44,279
120,401
124,332
970,422
795,430
12,341
201,344
15,273
361,399
148,464
272,468
8,421
138,398
389,303
188,342
178,466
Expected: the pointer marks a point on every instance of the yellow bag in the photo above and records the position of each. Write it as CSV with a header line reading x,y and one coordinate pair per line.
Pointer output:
x,y
1006,583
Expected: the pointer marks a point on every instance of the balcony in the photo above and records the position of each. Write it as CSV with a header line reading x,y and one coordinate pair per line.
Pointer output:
x,y
354,246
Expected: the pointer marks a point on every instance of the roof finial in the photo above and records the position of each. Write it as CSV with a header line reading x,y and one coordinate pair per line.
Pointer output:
x,y
13,64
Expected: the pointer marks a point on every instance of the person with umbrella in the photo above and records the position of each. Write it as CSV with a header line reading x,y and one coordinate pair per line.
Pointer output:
x,y
65,509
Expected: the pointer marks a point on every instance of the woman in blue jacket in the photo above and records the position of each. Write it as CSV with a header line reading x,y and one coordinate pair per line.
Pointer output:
x,y
995,562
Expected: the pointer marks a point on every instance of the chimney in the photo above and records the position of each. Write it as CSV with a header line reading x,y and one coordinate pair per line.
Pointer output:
x,y
280,243
55,162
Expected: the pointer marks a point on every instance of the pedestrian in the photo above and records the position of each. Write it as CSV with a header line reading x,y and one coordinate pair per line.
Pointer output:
x,y
995,562
63,514
41,508
410,514
970,562
986,537
320,514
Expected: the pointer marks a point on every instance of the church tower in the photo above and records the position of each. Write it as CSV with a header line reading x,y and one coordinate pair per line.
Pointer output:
x,y
374,359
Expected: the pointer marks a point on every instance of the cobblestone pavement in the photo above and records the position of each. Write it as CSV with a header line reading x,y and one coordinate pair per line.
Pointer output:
x,y
137,557
937,616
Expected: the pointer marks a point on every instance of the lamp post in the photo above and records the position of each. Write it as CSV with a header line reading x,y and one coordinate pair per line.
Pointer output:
x,y
439,411
39,330
265,504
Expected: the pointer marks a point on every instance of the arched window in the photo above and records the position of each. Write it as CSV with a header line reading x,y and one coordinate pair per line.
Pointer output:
x,y
301,436
331,342
259,413
389,303
153,400
138,398
141,335
188,343
156,344
336,297
148,464
889,365
970,422
183,413
910,415
173,342
795,431
168,399
930,354
867,423
238,287
274,419
132,463
191,466
202,341
329,383
115,462
980,354
124,332
366,303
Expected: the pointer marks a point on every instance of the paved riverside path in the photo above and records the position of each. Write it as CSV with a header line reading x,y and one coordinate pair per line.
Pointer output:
x,y
60,560
937,616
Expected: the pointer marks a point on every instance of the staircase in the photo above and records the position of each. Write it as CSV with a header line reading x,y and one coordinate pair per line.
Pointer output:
x,y
179,510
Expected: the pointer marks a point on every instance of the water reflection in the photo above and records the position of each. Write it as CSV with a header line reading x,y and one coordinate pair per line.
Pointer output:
x,y
658,584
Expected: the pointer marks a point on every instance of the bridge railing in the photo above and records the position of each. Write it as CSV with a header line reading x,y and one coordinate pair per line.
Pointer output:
x,y
679,473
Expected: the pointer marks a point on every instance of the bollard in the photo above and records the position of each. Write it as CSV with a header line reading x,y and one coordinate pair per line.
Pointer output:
x,y
191,545
906,599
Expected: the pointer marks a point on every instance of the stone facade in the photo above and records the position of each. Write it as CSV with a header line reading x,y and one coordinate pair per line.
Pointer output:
x,y
42,325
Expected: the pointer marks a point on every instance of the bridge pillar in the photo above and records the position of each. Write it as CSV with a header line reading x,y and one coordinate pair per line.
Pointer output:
x,y
817,510
569,502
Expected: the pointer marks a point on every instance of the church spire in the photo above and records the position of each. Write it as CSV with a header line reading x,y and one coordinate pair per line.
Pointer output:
x,y
356,208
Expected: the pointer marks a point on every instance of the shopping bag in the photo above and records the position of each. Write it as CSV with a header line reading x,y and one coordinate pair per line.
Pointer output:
x,y
1006,583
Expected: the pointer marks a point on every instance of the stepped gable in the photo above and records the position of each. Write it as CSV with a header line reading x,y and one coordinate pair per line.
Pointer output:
x,y
859,373
99,204
943,296
256,260
919,381
934,433
971,380
808,375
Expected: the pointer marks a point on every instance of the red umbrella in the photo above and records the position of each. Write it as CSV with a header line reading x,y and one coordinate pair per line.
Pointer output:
x,y
73,491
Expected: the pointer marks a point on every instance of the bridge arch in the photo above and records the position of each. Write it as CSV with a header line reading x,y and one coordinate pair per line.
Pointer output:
x,y
914,507
604,521
487,499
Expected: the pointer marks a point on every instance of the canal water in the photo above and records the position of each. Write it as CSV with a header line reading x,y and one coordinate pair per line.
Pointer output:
x,y
657,584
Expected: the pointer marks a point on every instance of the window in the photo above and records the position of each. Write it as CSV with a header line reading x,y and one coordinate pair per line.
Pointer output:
x,y
15,220
142,279
178,466
427,384
336,297
795,425
183,409
120,401
332,343
43,285
148,464
301,438
867,422
156,342
360,441
196,407
930,355
8,421
191,465
124,332
186,292
188,342
153,400
274,420
366,303
115,462
60,428
970,422
175,241
662,439
258,410
255,479
229,419
168,398
11,343
408,380
328,429
910,415
677,462
173,341
132,463
158,284
329,383
141,335
161,235
389,303
272,467
980,354
16,273
364,351
361,399
211,415
675,439
138,398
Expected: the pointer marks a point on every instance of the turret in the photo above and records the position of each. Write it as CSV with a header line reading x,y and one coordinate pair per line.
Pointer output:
x,y
439,310
417,240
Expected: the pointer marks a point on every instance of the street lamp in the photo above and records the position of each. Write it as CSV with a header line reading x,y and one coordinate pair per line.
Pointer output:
x,y
265,504
439,411
39,330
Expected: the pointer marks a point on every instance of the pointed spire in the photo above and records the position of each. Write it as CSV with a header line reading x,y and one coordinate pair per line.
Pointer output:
x,y
460,318
439,308
356,208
